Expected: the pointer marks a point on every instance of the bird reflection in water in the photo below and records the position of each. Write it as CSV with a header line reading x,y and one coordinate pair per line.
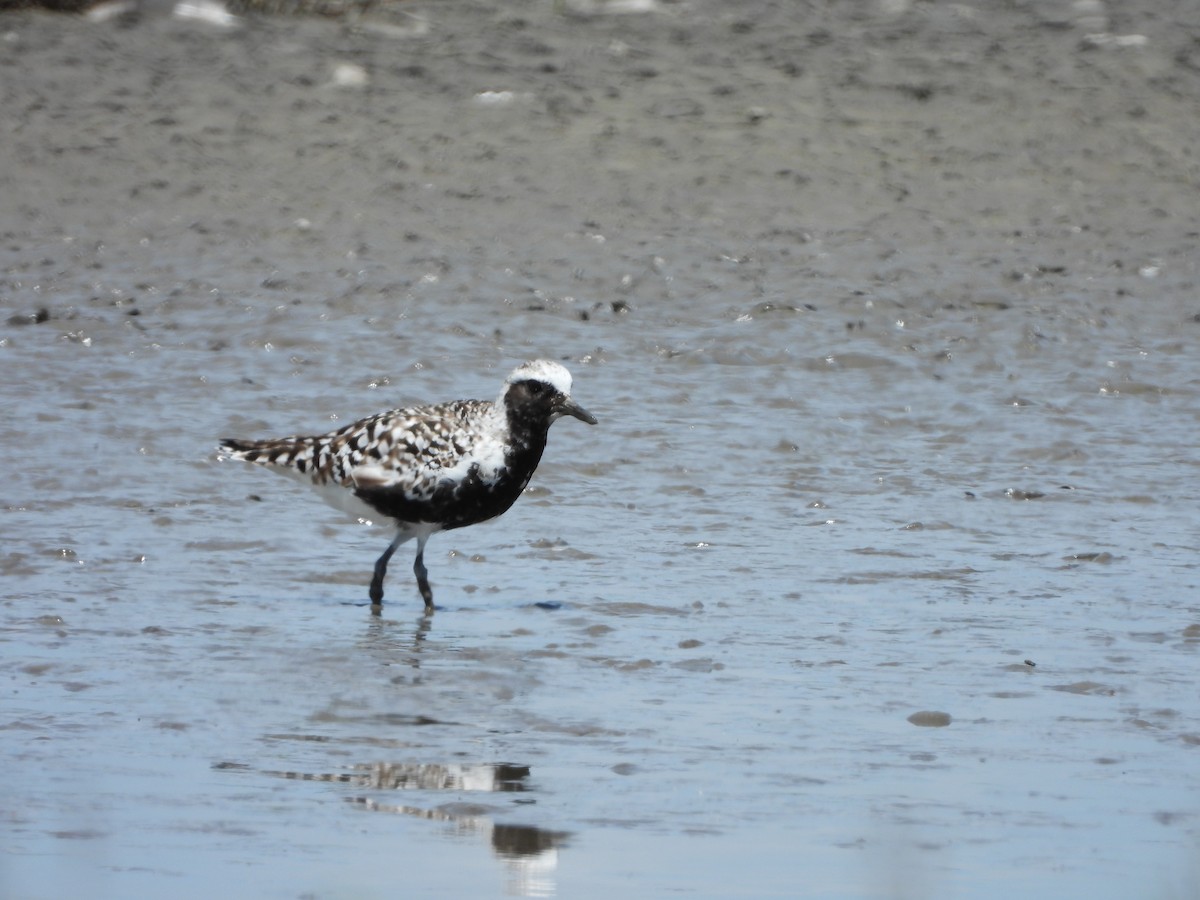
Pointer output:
x,y
530,854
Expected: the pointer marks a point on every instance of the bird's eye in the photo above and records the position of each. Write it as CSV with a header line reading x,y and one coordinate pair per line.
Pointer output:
x,y
536,387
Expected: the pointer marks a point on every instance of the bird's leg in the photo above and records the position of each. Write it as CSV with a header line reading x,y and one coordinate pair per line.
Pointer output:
x,y
381,565
422,574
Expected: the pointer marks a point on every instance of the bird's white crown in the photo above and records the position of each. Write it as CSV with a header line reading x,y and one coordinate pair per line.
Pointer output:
x,y
554,374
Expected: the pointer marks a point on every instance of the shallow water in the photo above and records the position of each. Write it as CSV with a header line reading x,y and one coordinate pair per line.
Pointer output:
x,y
876,579
698,643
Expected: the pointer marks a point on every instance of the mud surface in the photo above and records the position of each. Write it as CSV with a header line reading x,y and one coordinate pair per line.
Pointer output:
x,y
878,577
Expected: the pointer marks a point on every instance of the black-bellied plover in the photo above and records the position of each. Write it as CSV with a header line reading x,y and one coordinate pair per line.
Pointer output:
x,y
429,468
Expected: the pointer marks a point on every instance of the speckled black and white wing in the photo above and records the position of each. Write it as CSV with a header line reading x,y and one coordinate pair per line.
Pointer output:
x,y
406,455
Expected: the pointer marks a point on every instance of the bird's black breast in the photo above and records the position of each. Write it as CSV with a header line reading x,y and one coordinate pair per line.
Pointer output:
x,y
457,502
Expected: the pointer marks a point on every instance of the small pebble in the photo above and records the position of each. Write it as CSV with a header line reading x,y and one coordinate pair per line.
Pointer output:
x,y
930,719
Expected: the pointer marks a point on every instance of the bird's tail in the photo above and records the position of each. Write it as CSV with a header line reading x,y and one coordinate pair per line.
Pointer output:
x,y
236,448
307,458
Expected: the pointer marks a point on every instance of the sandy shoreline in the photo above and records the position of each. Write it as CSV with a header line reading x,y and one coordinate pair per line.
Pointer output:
x,y
987,137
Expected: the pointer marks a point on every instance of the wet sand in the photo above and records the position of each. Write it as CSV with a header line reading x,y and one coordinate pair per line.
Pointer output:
x,y
877,578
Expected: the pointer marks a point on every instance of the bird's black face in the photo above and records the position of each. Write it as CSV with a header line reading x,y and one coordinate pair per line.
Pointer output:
x,y
538,403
